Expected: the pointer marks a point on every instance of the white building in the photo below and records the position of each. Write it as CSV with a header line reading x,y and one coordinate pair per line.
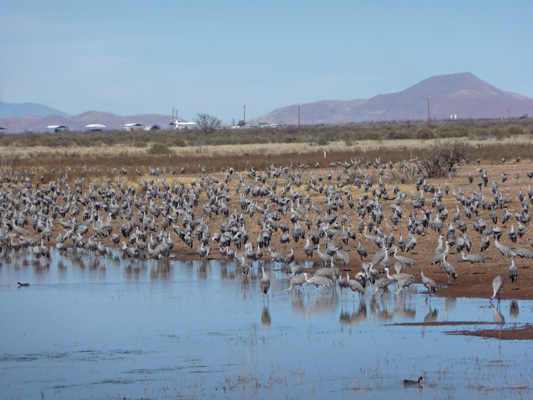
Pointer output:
x,y
182,124
95,127
58,128
134,126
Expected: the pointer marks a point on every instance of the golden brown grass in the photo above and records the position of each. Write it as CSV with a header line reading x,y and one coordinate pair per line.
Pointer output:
x,y
275,149
214,159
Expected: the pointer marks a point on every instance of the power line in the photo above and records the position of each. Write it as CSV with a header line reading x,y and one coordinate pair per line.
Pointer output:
x,y
428,99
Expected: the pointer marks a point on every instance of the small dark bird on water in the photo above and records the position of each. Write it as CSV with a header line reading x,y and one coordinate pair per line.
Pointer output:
x,y
410,382
23,284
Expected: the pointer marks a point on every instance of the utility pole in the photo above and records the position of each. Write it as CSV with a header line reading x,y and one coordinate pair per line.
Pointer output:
x,y
428,99
244,116
298,116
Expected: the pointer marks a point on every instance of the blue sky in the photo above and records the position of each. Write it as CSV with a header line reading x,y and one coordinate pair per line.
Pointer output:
x,y
132,57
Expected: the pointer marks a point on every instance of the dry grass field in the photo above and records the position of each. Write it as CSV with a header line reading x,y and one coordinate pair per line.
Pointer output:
x,y
185,165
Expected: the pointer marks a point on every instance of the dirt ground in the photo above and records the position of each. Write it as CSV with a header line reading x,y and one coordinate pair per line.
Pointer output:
x,y
507,333
472,281
523,333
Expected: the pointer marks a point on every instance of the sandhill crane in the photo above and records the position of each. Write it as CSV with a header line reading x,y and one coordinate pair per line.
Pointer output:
x,y
325,257
365,266
484,244
328,272
404,260
295,281
497,284
523,253
244,265
385,263
277,257
401,243
506,251
472,258
449,269
373,238
379,256
308,249
398,277
296,269
355,285
512,234
343,256
402,280
361,250
290,258
440,245
513,271
398,267
440,253
380,285
404,284
373,273
319,281
521,230
343,282
20,230
203,251
411,243
429,283
258,253
265,282
61,247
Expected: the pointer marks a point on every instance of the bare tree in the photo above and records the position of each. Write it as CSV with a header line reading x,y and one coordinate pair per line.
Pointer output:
x,y
207,123
442,157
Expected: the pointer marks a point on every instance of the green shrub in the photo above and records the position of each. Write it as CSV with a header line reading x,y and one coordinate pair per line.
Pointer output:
x,y
290,139
398,135
371,135
513,130
322,141
425,133
159,149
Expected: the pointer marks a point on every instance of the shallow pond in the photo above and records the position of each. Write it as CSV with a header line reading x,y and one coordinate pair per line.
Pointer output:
x,y
111,328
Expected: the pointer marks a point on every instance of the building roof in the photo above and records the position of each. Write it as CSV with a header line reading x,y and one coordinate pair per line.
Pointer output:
x,y
178,122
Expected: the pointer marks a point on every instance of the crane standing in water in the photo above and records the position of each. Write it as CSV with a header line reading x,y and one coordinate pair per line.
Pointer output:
x,y
265,282
497,284
429,283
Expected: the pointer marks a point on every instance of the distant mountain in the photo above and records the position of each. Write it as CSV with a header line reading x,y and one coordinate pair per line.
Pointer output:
x,y
80,121
462,94
28,110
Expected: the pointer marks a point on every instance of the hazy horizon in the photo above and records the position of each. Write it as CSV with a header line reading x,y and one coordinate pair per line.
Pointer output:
x,y
214,57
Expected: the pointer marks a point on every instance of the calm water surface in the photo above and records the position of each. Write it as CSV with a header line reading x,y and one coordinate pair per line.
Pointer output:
x,y
91,327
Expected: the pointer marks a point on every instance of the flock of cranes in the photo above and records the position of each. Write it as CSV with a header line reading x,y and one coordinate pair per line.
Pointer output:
x,y
355,219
